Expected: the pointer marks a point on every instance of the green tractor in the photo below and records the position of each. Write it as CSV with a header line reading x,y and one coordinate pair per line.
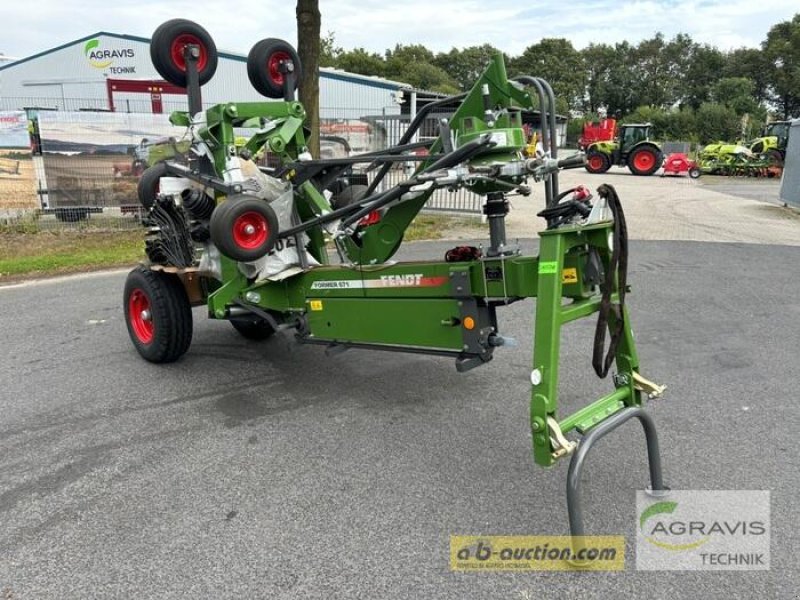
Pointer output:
x,y
772,143
632,148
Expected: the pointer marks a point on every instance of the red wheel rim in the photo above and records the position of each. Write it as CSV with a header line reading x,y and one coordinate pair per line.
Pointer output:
x,y
141,316
250,230
176,51
595,163
644,160
274,63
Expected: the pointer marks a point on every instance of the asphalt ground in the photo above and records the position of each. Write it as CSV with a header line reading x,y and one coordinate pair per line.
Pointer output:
x,y
753,188
270,470
708,209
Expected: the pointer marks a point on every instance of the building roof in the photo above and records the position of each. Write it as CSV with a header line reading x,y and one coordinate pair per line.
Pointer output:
x,y
324,72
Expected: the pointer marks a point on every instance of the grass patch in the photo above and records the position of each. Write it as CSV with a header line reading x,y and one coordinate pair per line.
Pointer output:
x,y
50,253
426,226
27,253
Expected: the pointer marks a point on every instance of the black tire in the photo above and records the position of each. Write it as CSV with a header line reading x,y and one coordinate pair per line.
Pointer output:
x,y
72,215
645,160
350,194
775,157
147,188
164,335
597,162
253,329
694,172
166,47
262,66
244,228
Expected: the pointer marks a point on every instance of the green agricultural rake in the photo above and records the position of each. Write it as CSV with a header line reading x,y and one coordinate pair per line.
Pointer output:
x,y
299,246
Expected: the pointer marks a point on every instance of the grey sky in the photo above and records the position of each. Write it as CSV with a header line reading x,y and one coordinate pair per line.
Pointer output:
x,y
377,25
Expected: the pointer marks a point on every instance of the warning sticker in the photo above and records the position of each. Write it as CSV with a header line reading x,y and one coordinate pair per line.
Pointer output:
x,y
569,275
316,305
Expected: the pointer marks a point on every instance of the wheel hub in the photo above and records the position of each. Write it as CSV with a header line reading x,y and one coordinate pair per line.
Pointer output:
x,y
140,316
176,51
274,65
250,230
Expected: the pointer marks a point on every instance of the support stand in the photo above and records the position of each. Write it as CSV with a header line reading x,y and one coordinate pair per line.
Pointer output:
x,y
576,464
496,209
191,54
289,76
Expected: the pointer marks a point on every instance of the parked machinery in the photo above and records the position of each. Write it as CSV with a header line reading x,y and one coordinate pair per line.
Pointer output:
x,y
631,148
772,143
604,130
252,244
736,160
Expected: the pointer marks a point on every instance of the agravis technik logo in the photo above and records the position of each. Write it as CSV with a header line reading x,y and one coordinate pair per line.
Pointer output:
x,y
101,58
703,530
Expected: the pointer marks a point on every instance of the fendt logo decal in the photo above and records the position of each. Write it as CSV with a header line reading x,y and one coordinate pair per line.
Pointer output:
x,y
101,58
384,281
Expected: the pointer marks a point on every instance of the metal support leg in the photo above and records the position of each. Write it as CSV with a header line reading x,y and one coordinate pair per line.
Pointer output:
x,y
576,465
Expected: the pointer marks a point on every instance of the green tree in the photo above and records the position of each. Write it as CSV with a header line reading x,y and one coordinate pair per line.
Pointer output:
x,y
782,49
361,61
429,77
753,64
465,66
737,93
402,56
557,61
329,52
659,69
599,60
414,64
619,91
716,122
702,71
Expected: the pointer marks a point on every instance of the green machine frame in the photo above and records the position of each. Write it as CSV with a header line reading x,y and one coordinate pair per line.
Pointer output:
x,y
436,307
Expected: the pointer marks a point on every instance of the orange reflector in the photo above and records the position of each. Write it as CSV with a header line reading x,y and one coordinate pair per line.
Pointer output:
x,y
469,323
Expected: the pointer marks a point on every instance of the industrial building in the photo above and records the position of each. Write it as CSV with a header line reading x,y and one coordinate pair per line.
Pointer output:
x,y
110,71
95,104
113,72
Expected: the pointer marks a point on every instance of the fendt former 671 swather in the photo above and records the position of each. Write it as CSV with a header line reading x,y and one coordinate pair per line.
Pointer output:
x,y
251,243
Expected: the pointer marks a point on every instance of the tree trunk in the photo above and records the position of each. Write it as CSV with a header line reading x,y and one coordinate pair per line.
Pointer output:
x,y
308,47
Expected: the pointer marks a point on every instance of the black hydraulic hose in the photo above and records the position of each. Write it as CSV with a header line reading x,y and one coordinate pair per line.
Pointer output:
x,y
355,212
330,216
452,159
611,316
461,154
390,196
533,82
553,130
412,129
548,118
548,186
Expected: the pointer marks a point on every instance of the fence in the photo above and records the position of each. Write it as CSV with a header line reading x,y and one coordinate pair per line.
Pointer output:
x,y
83,167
